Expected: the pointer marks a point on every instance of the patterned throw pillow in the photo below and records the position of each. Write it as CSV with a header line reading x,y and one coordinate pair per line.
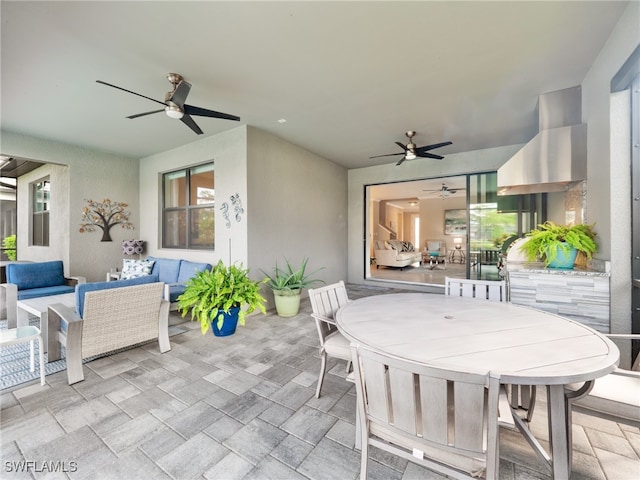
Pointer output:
x,y
136,268
407,247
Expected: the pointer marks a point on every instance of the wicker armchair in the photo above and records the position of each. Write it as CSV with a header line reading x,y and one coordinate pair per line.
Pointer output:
x,y
112,319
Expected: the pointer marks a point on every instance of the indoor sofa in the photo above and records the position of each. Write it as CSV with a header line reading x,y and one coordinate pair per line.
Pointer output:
x,y
108,316
34,279
395,253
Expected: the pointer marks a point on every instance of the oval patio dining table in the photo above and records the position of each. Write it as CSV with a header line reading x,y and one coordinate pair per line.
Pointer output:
x,y
524,346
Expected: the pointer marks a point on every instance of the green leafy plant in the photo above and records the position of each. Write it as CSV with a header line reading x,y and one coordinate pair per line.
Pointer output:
x,y
211,292
545,241
290,279
9,246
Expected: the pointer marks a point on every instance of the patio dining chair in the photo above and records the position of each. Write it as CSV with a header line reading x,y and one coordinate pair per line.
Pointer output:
x,y
493,290
325,302
444,420
521,397
615,396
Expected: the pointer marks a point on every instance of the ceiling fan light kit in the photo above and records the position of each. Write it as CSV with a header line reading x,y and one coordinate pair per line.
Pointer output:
x,y
411,152
174,105
172,110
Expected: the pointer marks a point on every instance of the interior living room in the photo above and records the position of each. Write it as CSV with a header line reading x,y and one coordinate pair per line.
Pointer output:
x,y
344,132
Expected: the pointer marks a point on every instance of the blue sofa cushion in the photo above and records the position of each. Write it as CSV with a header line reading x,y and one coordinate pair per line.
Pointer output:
x,y
36,274
175,290
188,269
92,287
166,269
44,291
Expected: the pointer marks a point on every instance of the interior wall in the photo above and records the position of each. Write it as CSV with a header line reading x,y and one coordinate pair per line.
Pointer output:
x,y
432,219
359,238
228,152
607,167
297,204
90,175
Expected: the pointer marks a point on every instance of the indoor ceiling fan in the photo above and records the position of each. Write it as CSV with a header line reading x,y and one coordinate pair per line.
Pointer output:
x,y
410,151
174,105
444,191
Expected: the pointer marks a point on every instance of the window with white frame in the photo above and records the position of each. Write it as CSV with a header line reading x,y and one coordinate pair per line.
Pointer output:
x,y
188,208
40,207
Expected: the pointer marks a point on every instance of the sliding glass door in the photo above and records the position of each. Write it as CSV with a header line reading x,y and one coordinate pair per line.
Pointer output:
x,y
463,214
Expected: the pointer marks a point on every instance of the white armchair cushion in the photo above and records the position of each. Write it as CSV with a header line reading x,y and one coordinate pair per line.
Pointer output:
x,y
338,346
615,394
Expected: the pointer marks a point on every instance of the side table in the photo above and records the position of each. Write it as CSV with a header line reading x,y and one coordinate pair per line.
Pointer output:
x,y
29,334
113,276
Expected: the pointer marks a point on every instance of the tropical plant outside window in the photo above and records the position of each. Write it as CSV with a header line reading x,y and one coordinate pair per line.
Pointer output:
x,y
489,228
189,208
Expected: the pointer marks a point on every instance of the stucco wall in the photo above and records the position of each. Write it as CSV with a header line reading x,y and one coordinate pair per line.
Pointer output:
x,y
58,247
297,203
228,152
90,175
608,200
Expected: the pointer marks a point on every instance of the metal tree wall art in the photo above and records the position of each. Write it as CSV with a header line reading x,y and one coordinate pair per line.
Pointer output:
x,y
104,215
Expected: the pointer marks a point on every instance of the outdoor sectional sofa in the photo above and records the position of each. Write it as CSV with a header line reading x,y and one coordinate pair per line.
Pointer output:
x,y
34,279
108,316
175,273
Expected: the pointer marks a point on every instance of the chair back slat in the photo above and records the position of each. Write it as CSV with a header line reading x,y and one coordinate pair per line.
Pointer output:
x,y
435,424
468,425
403,406
377,391
492,290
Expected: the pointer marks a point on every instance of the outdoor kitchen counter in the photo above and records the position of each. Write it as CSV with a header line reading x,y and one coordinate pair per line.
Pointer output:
x,y
579,294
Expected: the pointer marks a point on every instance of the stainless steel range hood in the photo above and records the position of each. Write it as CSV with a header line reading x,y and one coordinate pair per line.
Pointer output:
x,y
556,158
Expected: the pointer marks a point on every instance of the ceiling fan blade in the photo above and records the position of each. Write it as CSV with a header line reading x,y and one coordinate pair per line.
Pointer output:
x,y
403,147
389,155
429,155
129,91
203,112
145,113
401,160
426,148
180,95
189,122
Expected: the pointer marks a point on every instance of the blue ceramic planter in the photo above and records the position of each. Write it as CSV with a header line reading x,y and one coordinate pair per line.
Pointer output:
x,y
228,325
564,260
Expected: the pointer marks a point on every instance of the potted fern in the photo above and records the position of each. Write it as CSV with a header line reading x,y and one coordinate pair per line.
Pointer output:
x,y
558,245
287,284
220,298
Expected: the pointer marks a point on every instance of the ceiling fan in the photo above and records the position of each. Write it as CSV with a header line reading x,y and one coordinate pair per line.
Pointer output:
x,y
444,191
174,105
410,151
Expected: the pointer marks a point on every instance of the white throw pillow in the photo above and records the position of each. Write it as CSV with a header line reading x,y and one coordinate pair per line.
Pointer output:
x,y
136,268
